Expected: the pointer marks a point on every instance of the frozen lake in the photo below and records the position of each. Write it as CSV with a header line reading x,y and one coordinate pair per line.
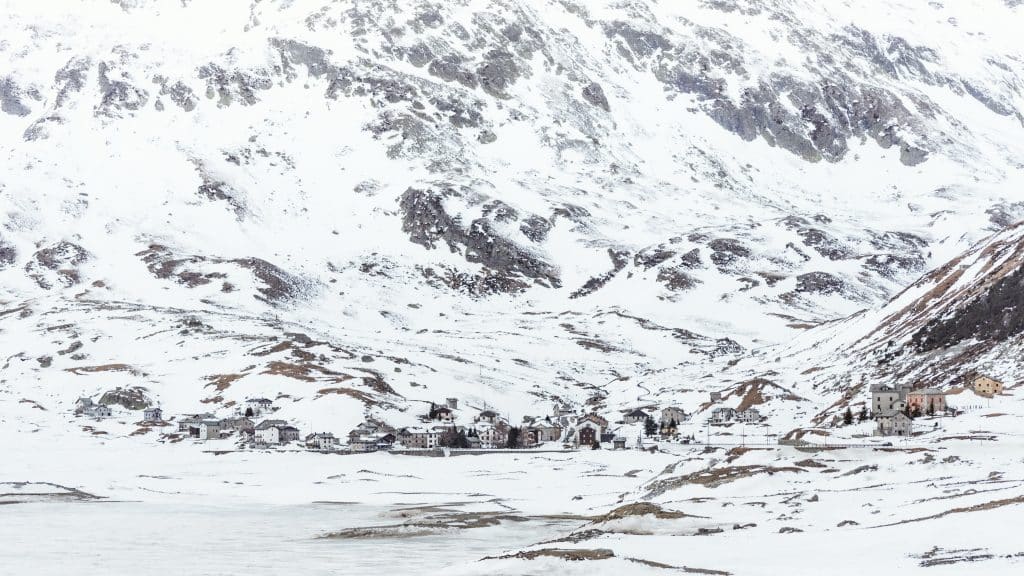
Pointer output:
x,y
65,538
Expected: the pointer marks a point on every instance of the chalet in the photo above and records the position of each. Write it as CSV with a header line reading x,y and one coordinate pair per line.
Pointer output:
x,y
419,438
273,432
322,441
241,424
443,414
619,443
722,415
985,386
489,416
636,416
152,415
208,429
893,423
474,442
588,431
493,436
926,400
885,397
674,414
547,432
452,403
384,440
189,420
86,407
749,416
256,406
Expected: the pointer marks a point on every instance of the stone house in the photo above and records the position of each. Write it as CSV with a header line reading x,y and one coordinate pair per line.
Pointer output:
x,y
893,423
561,410
208,429
749,416
926,398
885,397
716,396
488,416
241,424
272,432
322,441
86,407
547,432
256,406
452,403
587,432
189,420
985,386
674,413
722,415
635,417
493,436
444,414
152,415
419,438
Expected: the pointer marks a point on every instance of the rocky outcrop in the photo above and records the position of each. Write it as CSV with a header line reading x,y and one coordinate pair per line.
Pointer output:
x,y
132,398
57,265
427,223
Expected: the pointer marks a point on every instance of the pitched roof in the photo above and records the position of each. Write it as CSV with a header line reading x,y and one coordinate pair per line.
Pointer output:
x,y
271,424
637,414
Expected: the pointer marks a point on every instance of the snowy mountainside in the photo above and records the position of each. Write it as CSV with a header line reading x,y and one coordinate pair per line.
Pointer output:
x,y
507,201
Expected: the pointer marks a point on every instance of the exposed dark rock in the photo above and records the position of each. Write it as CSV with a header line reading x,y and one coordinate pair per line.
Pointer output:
x,y
133,398
427,223
57,264
498,72
691,260
8,254
10,99
594,94
994,316
676,279
726,251
819,283
651,257
118,94
230,86
619,260
450,68
536,228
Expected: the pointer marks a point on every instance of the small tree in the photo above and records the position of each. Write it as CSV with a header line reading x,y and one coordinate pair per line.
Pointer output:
x,y
595,445
673,426
863,414
650,427
847,417
916,413
931,407
513,438
248,412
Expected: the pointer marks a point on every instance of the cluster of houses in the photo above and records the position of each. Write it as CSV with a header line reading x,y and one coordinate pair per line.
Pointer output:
x,y
721,416
895,407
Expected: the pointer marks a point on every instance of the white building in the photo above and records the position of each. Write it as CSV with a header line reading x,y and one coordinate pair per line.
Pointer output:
x,y
893,423
86,407
722,415
674,413
153,415
749,416
323,441
273,432
256,406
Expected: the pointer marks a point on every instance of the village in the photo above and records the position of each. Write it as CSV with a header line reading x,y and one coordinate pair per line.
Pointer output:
x,y
445,428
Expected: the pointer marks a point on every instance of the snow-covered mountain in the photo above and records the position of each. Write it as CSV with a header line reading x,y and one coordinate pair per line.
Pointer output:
x,y
362,205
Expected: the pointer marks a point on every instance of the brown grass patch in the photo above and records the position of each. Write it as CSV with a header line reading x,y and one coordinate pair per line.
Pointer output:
x,y
80,370
223,381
